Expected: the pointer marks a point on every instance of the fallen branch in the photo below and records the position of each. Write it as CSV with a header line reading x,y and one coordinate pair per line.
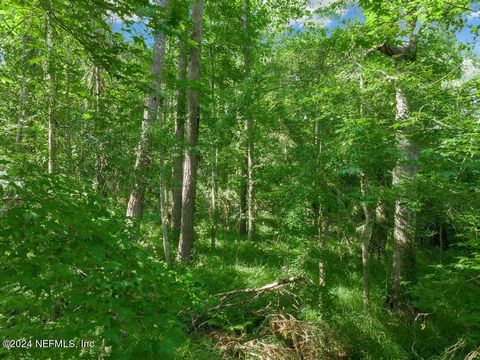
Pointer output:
x,y
273,286
251,293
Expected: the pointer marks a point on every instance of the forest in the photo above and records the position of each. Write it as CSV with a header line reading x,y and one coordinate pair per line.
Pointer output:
x,y
240,179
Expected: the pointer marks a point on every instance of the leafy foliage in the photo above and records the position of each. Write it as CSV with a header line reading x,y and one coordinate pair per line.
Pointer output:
x,y
71,269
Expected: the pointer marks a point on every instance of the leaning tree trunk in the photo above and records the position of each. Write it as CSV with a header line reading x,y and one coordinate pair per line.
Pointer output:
x,y
177,176
142,163
404,221
185,245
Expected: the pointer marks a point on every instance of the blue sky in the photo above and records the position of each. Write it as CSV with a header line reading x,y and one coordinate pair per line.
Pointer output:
x,y
353,12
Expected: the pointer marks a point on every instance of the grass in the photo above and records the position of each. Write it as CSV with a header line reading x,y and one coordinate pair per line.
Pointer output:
x,y
373,334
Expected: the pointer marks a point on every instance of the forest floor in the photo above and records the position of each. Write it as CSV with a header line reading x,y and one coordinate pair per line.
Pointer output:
x,y
347,330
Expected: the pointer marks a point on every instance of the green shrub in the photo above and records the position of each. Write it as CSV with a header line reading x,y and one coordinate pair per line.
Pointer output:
x,y
71,269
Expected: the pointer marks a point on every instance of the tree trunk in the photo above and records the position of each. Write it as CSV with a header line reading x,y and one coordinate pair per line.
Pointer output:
x,y
251,182
213,185
177,176
249,128
163,202
185,245
50,79
100,160
22,117
213,197
380,230
67,101
366,235
319,220
404,221
242,221
142,163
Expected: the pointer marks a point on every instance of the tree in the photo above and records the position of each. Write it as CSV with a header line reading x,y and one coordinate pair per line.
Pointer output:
x,y
142,163
190,167
249,128
50,79
403,31
179,129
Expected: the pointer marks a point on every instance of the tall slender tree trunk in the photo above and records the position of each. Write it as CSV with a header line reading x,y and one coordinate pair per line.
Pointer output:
x,y
52,99
367,227
185,245
23,113
249,128
213,182
67,101
164,218
366,235
213,197
319,220
181,112
242,217
403,267
163,197
22,117
100,159
142,163
251,182
404,222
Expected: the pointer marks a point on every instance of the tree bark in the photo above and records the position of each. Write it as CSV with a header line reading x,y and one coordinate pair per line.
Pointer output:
x,y
404,221
251,182
249,128
213,198
100,159
319,220
142,163
50,79
213,183
403,267
163,204
181,111
380,230
242,221
185,245
366,235
22,117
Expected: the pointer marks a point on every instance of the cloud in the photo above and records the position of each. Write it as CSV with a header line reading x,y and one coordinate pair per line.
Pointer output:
x,y
474,15
322,22
315,4
319,21
470,71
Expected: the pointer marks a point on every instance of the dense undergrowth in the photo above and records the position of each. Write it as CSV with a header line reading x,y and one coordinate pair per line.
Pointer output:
x,y
72,269
435,329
